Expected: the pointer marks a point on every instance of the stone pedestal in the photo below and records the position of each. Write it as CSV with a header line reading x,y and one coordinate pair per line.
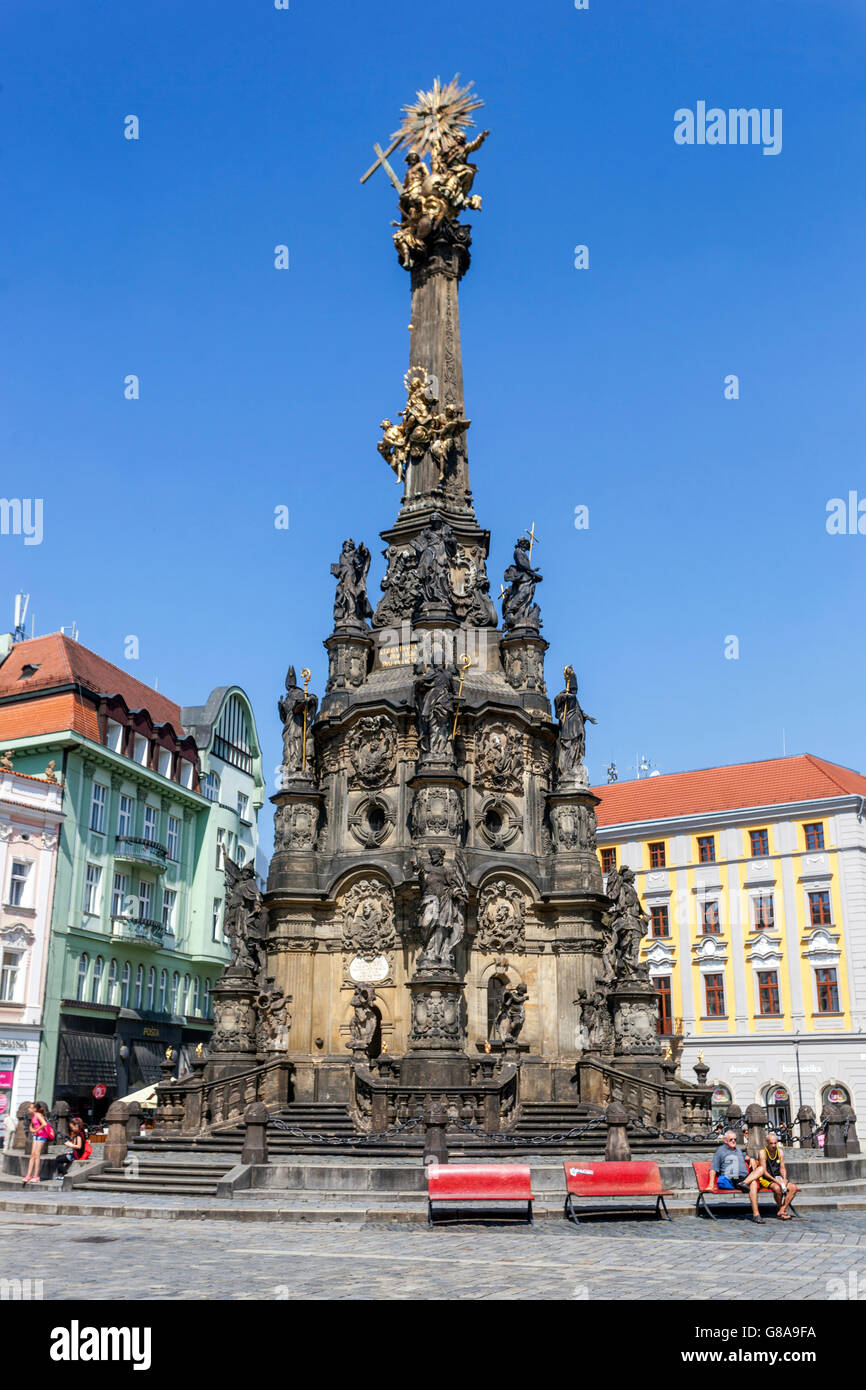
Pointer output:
x,y
635,1007
523,659
349,653
233,1043
435,1056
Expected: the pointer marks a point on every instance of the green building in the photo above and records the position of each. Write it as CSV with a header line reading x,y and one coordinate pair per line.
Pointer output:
x,y
154,795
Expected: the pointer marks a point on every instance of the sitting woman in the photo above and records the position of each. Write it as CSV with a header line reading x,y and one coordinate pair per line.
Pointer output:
x,y
77,1147
770,1175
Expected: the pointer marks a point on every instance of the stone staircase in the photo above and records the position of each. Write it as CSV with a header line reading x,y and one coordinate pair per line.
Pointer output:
x,y
171,1178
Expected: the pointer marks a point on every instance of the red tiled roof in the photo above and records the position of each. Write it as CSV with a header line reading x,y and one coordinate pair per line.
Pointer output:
x,y
62,661
771,783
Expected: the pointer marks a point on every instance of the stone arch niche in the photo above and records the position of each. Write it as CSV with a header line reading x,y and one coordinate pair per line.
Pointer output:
x,y
483,1001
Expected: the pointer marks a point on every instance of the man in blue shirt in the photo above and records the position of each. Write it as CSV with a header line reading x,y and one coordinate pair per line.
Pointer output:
x,y
732,1170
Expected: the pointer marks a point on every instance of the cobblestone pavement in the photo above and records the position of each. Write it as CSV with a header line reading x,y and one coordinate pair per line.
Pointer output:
x,y
133,1258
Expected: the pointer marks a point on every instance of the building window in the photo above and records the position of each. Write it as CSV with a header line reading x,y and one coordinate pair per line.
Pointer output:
x,y
145,900
760,843
96,983
125,981
83,963
828,991
169,898
119,894
665,1020
814,835
608,861
660,921
98,799
206,1000
768,992
715,990
18,881
175,987
163,990
184,1003
706,849
111,987
173,838
211,786
10,970
220,849
232,736
139,986
92,876
216,933
125,817
196,994
819,908
657,854
151,988
710,918
151,824
764,913
243,806
240,855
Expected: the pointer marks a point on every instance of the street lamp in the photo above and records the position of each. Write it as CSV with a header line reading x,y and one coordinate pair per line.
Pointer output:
x,y
799,1078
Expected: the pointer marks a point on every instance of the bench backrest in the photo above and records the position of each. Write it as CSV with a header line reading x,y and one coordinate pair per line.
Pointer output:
x,y
477,1180
706,1177
586,1178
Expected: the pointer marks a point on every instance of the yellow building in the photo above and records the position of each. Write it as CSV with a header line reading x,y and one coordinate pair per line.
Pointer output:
x,y
754,879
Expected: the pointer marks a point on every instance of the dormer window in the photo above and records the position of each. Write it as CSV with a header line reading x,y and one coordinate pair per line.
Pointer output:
x,y
28,671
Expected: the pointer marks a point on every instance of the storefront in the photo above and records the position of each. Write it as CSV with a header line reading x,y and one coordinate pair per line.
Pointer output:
x,y
19,1054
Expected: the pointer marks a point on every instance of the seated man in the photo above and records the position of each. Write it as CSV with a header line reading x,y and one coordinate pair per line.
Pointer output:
x,y
732,1172
770,1174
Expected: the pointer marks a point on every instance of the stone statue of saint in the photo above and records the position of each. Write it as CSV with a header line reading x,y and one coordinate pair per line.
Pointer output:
x,y
436,548
435,703
351,605
571,744
298,749
274,1019
629,922
595,1021
519,608
442,915
512,1014
364,1020
245,920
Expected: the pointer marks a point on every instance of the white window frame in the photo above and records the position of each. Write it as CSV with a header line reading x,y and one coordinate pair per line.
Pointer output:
x,y
163,991
18,883
217,933
125,816
98,807
169,903
151,989
96,980
125,985
11,974
119,895
173,837
81,979
92,888
150,824
145,896
138,996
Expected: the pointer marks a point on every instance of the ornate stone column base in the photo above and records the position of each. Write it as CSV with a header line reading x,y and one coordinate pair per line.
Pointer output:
x,y
435,1056
233,1044
634,1005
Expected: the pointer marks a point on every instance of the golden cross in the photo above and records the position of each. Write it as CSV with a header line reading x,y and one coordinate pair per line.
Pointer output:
x,y
383,160
466,662
502,591
306,676
532,538
566,671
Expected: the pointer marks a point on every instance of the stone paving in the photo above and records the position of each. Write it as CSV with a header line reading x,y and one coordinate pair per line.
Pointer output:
x,y
134,1258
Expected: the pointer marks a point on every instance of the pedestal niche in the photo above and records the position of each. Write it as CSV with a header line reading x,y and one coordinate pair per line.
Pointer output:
x,y
435,1056
233,1043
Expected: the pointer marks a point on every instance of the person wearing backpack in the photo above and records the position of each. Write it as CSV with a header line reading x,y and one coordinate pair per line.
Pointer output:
x,y
42,1133
78,1146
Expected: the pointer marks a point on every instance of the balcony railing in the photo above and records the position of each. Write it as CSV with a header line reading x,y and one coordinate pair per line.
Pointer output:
x,y
138,929
140,851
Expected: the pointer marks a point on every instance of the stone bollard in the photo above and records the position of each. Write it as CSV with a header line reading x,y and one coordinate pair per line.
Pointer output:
x,y
617,1150
834,1142
806,1121
255,1150
61,1120
22,1129
756,1119
133,1123
734,1120
852,1143
435,1140
115,1144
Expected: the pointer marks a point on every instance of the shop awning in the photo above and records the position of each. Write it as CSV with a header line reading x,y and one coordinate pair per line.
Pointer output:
x,y
84,1059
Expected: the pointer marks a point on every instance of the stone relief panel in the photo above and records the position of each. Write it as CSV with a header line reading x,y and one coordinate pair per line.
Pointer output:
x,y
498,822
296,826
499,758
634,1025
372,821
501,918
572,826
367,911
437,811
372,747
524,666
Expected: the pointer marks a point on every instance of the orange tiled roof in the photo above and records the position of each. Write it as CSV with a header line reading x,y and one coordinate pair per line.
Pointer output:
x,y
771,783
61,661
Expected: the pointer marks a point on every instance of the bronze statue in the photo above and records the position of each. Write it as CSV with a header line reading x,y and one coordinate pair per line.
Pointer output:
x,y
295,707
351,605
519,608
571,744
441,917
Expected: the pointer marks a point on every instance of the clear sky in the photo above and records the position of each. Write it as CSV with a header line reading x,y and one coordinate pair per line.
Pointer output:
x,y
602,387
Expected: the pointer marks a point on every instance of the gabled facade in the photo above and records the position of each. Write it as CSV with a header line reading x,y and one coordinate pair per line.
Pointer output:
x,y
136,935
754,878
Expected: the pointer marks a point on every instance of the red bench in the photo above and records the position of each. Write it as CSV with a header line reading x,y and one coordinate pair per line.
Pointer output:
x,y
706,1180
458,1183
586,1178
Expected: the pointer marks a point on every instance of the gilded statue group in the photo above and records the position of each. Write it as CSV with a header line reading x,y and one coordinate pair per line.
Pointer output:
x,y
424,427
435,193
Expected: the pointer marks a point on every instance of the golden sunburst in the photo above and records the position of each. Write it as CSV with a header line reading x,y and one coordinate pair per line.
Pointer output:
x,y
442,112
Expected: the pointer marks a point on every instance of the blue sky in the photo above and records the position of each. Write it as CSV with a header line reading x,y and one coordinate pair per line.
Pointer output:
x,y
601,387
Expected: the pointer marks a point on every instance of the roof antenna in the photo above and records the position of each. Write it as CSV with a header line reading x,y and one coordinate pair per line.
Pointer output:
x,y
20,630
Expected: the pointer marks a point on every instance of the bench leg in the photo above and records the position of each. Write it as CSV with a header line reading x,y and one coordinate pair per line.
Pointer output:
x,y
661,1206
701,1206
569,1209
530,1214
429,1212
